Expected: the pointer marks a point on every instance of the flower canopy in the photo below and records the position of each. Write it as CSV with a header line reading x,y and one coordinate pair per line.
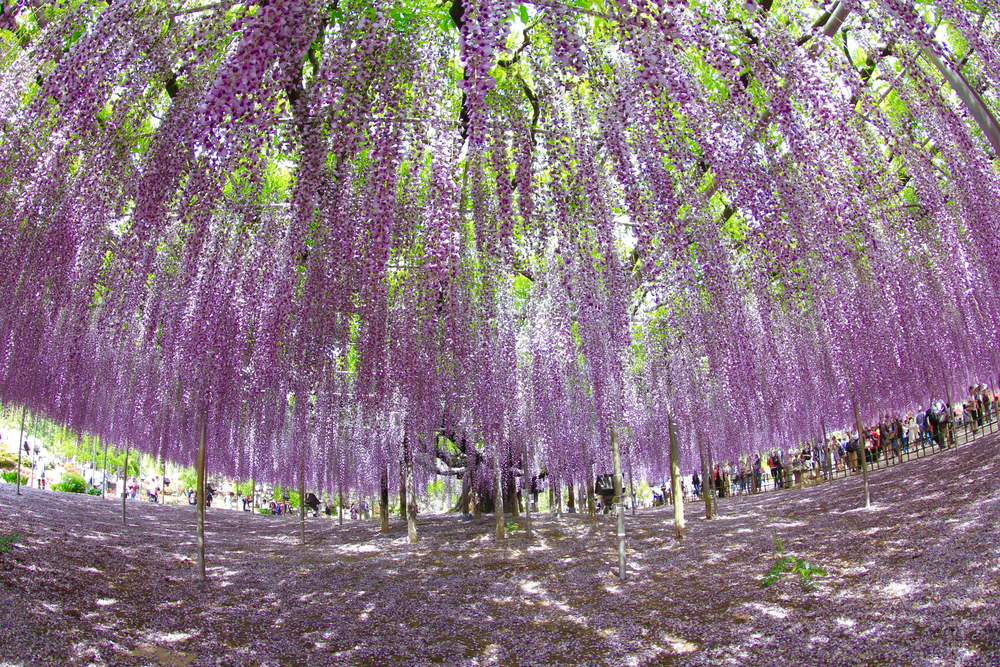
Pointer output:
x,y
325,228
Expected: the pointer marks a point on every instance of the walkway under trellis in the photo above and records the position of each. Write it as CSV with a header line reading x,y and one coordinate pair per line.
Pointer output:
x,y
79,587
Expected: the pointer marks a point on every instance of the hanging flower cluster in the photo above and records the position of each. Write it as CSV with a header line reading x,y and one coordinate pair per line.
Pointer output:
x,y
335,232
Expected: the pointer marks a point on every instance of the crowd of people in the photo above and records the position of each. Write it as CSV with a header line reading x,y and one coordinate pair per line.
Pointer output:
x,y
889,440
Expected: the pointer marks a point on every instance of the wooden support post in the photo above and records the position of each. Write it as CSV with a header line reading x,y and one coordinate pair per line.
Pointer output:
x,y
706,480
826,448
411,496
302,513
201,500
79,444
402,489
526,488
951,440
20,448
104,485
473,473
676,489
863,453
616,463
591,500
125,495
499,525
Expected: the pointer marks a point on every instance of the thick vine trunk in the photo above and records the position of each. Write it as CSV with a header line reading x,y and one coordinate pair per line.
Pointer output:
x,y
676,490
466,491
383,504
510,498
571,500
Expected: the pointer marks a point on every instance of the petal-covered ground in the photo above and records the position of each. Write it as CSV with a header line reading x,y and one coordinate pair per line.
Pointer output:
x,y
915,580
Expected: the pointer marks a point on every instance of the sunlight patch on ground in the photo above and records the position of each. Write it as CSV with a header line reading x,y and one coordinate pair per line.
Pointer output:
x,y
532,588
771,610
106,602
897,589
872,508
678,645
967,526
645,657
169,637
357,548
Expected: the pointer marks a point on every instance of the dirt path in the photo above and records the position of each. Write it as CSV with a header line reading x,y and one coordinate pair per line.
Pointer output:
x,y
913,581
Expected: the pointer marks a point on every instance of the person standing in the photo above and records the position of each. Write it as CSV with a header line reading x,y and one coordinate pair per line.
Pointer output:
x,y
896,437
913,434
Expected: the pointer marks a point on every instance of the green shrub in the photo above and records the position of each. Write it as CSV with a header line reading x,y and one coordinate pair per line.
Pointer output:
x,y
94,491
72,484
265,511
11,477
8,460
8,540
789,564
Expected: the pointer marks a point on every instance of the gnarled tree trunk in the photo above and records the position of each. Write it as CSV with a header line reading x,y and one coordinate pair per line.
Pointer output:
x,y
383,502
